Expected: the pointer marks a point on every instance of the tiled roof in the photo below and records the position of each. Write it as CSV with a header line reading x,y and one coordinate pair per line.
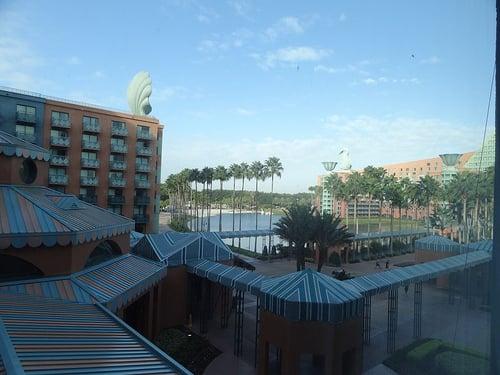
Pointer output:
x,y
35,216
120,281
48,337
13,146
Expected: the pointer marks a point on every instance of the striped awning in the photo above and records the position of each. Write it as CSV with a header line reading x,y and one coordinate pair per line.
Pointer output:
x,y
439,244
36,216
230,276
13,146
135,237
310,295
49,337
174,248
485,245
380,282
121,280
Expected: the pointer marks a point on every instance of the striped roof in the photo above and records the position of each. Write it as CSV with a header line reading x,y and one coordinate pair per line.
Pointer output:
x,y
48,337
485,245
310,295
439,244
382,281
135,237
57,287
230,276
36,216
176,248
121,280
13,146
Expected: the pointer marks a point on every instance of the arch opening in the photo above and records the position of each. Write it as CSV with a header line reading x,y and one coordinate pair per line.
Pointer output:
x,y
106,250
13,268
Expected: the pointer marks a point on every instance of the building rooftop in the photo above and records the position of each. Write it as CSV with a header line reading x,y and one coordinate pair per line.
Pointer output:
x,y
13,146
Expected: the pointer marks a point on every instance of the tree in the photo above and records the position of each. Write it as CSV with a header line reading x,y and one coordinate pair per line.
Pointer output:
x,y
245,174
258,172
236,172
428,188
194,176
373,183
295,226
392,194
328,231
335,186
221,174
354,187
274,168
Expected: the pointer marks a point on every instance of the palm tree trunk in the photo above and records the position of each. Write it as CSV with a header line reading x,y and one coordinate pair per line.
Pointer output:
x,y
466,228
428,217
356,223
271,217
477,219
241,207
379,216
234,202
400,211
392,230
196,203
256,212
209,207
220,208
369,212
202,205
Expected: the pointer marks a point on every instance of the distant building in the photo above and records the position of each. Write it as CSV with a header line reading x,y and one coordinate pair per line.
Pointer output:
x,y
484,158
105,157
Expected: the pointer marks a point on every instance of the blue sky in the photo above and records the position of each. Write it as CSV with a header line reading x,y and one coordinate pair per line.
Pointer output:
x,y
240,80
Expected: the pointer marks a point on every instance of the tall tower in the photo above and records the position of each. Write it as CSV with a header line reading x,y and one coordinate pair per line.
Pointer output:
x,y
450,162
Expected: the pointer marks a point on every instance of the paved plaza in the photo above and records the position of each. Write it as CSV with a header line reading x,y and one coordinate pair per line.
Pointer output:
x,y
454,323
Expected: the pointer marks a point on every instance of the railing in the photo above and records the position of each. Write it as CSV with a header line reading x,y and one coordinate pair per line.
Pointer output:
x,y
26,136
60,123
25,117
118,148
141,218
118,165
142,167
88,181
141,134
142,184
116,199
89,198
120,131
90,145
117,182
90,163
59,160
58,179
146,151
59,141
93,128
141,200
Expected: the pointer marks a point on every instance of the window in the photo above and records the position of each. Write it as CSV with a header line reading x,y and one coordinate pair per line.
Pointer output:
x,y
28,171
57,171
139,210
87,173
117,157
118,124
58,152
89,137
141,160
142,144
89,155
59,117
58,133
115,175
141,176
25,129
115,192
118,141
90,121
115,209
25,111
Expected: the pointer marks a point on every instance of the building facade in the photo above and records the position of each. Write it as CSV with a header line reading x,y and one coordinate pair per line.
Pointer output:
x,y
105,157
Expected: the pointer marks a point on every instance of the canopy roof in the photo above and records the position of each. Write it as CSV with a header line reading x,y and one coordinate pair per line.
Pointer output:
x,y
13,146
48,336
119,281
230,276
380,282
439,244
36,216
310,295
485,245
176,248
135,237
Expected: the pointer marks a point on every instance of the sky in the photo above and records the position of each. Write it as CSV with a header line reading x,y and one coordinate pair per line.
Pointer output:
x,y
237,80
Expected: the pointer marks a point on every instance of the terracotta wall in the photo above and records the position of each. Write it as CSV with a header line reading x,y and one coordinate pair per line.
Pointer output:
x,y
10,167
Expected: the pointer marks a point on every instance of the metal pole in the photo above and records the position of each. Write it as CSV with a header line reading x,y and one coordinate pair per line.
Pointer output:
x,y
257,330
392,318
417,310
367,317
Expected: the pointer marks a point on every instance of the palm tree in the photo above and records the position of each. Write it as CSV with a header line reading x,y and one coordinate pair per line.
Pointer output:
x,y
372,178
257,172
354,188
295,226
274,168
210,179
221,174
194,176
429,189
204,179
235,172
335,186
328,231
245,173
392,195
405,185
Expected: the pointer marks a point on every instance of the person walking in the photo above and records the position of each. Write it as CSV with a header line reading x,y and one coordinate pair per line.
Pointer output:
x,y
387,264
377,265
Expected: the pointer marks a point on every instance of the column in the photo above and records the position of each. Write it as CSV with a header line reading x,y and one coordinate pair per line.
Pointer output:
x,y
392,319
417,310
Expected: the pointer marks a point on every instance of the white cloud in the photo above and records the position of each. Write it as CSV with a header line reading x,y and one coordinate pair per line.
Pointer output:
x,y
372,81
245,111
74,60
290,55
99,74
240,7
431,60
342,17
168,93
285,25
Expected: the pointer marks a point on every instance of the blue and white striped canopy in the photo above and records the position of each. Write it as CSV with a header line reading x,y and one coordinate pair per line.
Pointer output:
x,y
13,146
485,245
230,276
439,244
310,295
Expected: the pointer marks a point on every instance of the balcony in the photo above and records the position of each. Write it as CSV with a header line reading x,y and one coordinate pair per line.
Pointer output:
x,y
88,181
141,218
119,131
141,134
142,200
91,128
144,151
60,123
28,137
116,199
118,165
90,163
58,179
142,167
117,182
121,149
142,184
90,145
92,199
59,160
59,141
27,118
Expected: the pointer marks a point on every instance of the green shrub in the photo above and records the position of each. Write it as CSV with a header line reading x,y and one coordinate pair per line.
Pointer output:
x,y
422,351
460,363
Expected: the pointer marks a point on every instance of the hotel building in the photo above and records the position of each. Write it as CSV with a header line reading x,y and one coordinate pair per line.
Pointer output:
x,y
104,157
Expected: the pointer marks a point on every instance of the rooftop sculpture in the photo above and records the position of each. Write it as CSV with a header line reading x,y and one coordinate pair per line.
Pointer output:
x,y
138,93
